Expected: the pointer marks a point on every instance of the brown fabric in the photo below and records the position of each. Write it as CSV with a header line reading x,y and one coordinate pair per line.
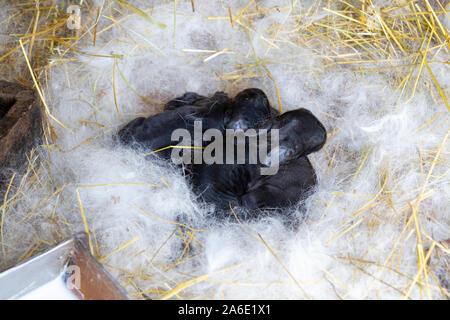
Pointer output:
x,y
20,126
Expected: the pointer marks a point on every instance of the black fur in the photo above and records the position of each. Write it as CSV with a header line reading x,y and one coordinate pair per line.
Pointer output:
x,y
219,111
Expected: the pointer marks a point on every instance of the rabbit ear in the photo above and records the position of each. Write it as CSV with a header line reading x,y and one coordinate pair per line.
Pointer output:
x,y
189,98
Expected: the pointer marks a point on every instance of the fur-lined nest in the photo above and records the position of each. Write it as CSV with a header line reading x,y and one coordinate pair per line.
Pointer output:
x,y
376,73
